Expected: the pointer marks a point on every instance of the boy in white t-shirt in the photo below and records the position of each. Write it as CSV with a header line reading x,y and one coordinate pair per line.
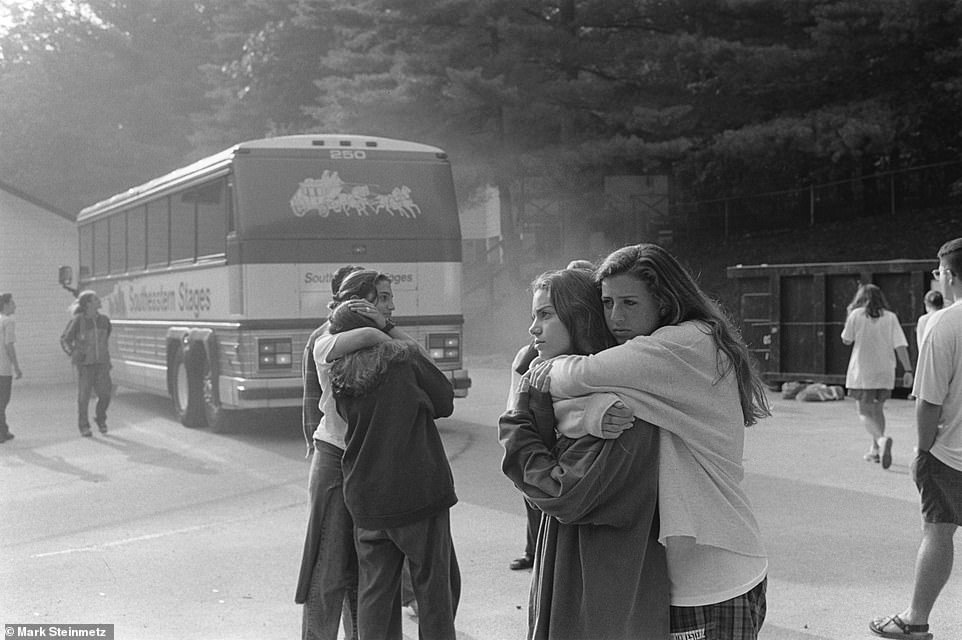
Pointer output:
x,y
937,468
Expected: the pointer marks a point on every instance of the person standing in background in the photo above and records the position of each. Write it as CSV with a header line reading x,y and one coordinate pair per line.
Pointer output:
x,y
933,302
86,340
877,338
937,469
9,367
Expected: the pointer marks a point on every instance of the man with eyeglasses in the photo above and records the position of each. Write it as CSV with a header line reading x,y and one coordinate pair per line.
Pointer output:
x,y
937,468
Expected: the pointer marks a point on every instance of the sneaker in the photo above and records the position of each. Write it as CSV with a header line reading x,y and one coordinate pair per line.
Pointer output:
x,y
6,436
85,431
524,562
102,426
885,444
872,456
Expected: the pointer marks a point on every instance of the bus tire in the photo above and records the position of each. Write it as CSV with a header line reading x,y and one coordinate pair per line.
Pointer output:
x,y
186,391
215,415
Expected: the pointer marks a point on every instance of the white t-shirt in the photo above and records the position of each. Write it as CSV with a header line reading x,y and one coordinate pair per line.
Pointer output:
x,y
701,575
332,428
872,364
7,336
939,380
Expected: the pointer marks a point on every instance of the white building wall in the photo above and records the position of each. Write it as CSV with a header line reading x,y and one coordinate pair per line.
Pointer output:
x,y
34,241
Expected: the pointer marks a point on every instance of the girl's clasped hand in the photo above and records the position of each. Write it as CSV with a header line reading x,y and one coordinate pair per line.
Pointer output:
x,y
617,418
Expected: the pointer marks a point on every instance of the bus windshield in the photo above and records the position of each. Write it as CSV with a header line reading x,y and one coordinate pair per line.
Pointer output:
x,y
300,197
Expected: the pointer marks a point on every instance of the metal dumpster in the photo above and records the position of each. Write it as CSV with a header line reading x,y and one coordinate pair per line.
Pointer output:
x,y
792,315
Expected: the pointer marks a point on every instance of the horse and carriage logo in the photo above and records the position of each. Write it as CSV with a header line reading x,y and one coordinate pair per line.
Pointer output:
x,y
329,194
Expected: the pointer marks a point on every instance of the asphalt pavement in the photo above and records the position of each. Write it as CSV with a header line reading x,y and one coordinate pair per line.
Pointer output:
x,y
197,535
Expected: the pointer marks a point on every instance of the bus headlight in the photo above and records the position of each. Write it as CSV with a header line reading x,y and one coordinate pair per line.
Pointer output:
x,y
274,353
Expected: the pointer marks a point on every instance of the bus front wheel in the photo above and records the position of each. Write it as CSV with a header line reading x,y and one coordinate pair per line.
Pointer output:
x,y
186,392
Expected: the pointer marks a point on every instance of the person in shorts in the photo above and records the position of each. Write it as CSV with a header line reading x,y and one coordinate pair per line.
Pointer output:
x,y
937,468
878,338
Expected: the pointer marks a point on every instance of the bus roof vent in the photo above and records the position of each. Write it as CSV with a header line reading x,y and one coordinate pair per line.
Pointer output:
x,y
345,143
370,143
317,143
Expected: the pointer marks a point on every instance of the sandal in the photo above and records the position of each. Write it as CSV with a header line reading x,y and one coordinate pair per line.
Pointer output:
x,y
905,631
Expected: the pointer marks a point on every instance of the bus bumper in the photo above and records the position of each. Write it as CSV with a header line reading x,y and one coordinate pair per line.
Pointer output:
x,y
247,393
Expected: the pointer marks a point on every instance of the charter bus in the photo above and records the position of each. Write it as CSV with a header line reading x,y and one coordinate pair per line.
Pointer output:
x,y
215,274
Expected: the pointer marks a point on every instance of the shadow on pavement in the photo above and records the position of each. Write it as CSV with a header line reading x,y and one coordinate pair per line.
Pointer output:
x,y
141,453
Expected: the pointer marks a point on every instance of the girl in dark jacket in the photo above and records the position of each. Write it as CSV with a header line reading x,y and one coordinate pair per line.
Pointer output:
x,y
599,571
398,485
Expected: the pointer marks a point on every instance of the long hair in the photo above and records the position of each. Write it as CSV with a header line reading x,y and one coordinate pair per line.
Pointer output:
x,y
680,299
869,297
359,284
340,274
574,296
83,301
360,372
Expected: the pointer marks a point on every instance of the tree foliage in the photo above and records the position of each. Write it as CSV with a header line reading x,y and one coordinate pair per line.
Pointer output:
x,y
728,96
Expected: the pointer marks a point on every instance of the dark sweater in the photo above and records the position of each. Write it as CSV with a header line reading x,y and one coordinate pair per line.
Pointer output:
x,y
599,570
395,468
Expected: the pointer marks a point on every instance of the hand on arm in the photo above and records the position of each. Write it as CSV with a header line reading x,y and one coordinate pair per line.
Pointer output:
x,y
617,418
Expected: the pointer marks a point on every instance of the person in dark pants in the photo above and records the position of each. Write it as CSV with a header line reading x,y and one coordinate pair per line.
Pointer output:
x,y
318,610
9,367
328,575
85,339
398,485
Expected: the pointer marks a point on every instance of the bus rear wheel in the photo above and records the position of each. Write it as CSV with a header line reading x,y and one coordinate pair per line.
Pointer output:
x,y
214,413
186,392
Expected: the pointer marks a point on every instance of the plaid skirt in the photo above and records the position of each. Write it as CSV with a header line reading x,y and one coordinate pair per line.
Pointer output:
x,y
740,618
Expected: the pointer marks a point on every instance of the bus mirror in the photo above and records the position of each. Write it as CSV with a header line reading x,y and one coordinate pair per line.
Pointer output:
x,y
65,276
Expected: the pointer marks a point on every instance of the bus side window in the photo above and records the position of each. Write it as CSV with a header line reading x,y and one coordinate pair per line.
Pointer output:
x,y
86,249
136,239
183,227
211,218
101,248
158,233
118,243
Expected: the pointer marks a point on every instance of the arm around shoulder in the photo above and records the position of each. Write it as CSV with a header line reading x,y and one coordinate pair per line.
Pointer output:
x,y
352,340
